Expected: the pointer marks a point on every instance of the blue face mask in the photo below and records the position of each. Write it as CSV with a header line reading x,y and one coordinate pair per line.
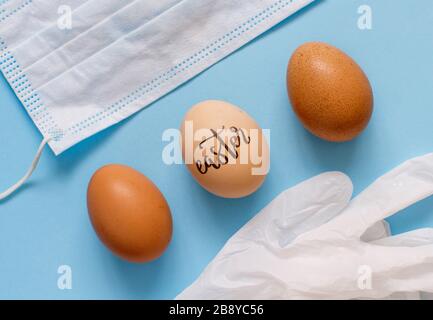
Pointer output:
x,y
81,68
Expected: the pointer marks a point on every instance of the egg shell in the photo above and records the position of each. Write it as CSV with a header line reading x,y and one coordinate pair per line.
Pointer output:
x,y
129,213
329,92
235,179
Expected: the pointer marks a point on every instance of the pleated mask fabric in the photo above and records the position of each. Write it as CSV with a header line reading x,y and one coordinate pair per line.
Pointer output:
x,y
116,57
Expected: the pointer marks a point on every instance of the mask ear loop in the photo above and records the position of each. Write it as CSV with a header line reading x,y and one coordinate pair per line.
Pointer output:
x,y
32,168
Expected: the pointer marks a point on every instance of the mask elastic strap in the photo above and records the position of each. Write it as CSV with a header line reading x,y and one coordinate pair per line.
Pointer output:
x,y
32,168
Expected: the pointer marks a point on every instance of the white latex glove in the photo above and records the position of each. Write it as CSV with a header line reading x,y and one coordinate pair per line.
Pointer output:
x,y
262,262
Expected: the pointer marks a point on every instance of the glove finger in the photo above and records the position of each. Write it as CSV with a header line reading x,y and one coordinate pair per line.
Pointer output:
x,y
300,209
378,231
416,238
396,190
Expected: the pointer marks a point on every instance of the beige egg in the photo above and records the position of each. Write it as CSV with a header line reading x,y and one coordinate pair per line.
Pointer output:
x,y
224,149
329,92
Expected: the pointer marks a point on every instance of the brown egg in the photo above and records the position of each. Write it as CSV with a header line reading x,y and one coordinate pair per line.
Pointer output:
x,y
129,213
329,92
224,149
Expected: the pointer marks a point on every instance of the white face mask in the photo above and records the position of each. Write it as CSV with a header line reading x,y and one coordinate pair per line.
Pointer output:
x,y
81,68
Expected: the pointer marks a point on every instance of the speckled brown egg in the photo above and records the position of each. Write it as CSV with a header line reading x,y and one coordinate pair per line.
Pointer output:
x,y
329,92
129,213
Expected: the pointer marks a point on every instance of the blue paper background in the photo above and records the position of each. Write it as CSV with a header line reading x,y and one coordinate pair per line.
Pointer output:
x,y
45,225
